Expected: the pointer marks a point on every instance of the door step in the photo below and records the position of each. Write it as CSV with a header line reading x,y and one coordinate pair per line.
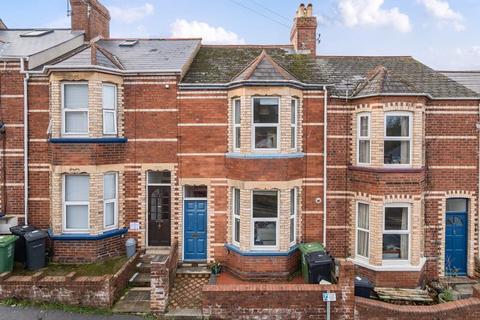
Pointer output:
x,y
185,314
140,280
158,251
201,271
136,300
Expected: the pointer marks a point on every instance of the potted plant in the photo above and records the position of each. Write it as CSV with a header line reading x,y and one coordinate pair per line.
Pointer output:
x,y
215,267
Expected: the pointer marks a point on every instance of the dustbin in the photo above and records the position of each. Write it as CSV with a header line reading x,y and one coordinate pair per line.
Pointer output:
x,y
320,267
35,248
7,250
363,287
20,232
306,248
130,246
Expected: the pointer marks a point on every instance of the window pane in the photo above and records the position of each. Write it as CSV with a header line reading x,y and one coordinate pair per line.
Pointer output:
x,y
292,202
196,191
236,204
396,218
397,152
76,122
293,112
77,188
76,96
76,217
265,110
237,230
397,126
265,233
293,137
159,177
237,137
109,97
109,122
364,126
457,205
265,204
363,216
362,243
266,138
237,111
364,151
109,214
395,246
292,230
109,186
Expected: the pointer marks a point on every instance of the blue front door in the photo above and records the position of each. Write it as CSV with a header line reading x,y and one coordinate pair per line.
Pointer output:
x,y
456,243
195,231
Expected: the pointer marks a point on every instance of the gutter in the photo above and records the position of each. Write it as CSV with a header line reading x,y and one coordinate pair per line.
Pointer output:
x,y
325,156
429,96
25,137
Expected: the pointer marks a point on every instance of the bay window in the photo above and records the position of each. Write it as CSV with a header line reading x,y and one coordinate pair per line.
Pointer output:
x,y
236,216
110,200
293,216
236,124
76,190
363,138
266,123
363,230
396,232
397,140
293,123
75,108
265,218
109,106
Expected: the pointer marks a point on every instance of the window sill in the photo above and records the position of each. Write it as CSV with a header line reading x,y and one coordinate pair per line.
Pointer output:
x,y
87,140
253,155
405,266
86,236
260,253
395,169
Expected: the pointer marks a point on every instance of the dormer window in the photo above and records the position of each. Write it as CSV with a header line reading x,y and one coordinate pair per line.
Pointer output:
x,y
266,123
75,108
128,43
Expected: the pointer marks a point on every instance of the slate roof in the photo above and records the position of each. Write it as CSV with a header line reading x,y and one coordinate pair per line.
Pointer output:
x,y
91,56
264,68
347,74
470,79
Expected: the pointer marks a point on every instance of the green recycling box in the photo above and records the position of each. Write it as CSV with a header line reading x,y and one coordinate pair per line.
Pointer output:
x,y
7,250
306,248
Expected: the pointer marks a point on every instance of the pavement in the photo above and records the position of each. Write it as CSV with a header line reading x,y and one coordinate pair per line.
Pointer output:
x,y
31,313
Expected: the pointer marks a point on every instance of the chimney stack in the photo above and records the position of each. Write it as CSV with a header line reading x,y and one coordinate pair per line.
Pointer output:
x,y
304,31
92,17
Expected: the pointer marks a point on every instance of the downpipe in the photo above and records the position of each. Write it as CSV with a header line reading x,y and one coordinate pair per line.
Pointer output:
x,y
25,137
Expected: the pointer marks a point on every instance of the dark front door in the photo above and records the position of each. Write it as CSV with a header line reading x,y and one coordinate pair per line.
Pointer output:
x,y
159,215
456,243
195,230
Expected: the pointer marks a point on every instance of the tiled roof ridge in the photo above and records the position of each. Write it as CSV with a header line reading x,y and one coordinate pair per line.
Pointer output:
x,y
68,55
250,68
148,39
113,59
249,46
363,56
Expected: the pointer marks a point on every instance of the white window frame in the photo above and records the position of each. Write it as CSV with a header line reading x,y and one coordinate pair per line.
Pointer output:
x,y
265,125
357,228
235,216
276,220
114,110
408,232
65,110
294,124
364,138
293,215
409,138
65,204
114,201
235,124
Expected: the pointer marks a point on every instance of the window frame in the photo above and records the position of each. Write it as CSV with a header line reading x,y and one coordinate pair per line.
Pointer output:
x,y
114,201
66,203
362,138
114,110
276,220
294,205
234,215
236,125
399,138
265,125
357,228
66,110
294,124
407,232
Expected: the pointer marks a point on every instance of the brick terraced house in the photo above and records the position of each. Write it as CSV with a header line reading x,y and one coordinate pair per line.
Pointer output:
x,y
239,153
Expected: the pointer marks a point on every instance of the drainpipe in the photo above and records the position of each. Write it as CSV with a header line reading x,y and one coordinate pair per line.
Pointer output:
x,y
325,179
478,194
25,137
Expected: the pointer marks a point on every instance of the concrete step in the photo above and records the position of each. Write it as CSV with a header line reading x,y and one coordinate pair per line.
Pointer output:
x,y
185,314
140,280
135,300
462,291
204,271
452,281
143,267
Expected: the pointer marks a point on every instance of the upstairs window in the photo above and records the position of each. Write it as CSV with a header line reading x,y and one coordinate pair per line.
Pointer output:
x,y
265,218
236,215
109,106
75,108
266,123
363,138
76,190
397,141
110,203
236,124
293,123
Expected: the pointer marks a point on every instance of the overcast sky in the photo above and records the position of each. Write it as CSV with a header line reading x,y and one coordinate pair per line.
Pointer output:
x,y
444,34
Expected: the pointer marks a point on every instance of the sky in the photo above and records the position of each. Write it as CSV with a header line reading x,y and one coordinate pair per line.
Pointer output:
x,y
444,34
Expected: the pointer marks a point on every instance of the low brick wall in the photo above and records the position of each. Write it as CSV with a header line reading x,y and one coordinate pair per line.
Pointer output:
x,y
395,279
100,292
280,301
162,276
456,310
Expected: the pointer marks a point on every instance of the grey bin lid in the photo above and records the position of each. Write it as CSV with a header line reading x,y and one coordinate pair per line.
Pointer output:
x,y
363,282
130,242
35,235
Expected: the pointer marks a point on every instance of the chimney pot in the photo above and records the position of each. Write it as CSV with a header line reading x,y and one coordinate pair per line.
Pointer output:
x,y
309,10
304,31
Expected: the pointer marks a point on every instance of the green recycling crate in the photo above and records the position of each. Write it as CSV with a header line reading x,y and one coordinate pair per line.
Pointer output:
x,y
306,248
7,250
